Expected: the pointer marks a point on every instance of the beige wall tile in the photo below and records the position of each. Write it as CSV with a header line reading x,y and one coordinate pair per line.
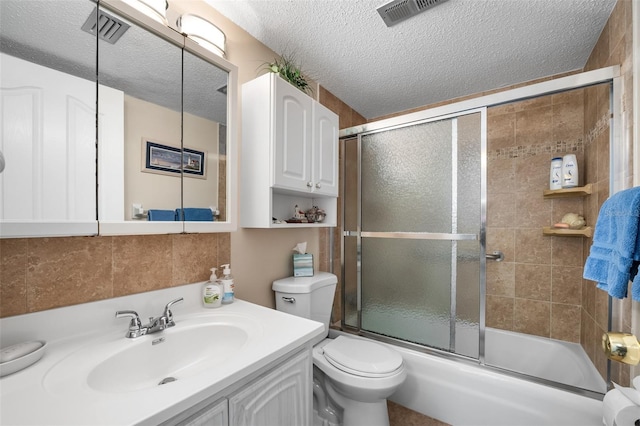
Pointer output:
x,y
532,317
534,125
533,282
501,130
532,246
501,279
193,256
68,271
568,119
532,173
565,322
502,239
532,210
13,277
142,263
566,285
501,176
500,312
567,251
502,206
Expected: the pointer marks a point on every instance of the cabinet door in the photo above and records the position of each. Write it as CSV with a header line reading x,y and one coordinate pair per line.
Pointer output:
x,y
325,151
216,414
292,144
282,397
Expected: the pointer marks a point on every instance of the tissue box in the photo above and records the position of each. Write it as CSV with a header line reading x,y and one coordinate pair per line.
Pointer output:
x,y
303,265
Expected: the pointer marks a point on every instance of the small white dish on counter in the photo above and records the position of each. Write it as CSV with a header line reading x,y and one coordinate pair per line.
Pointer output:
x,y
20,356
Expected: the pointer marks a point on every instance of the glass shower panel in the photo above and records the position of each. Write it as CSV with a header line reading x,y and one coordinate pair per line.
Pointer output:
x,y
408,187
405,294
351,265
468,221
406,179
467,318
350,173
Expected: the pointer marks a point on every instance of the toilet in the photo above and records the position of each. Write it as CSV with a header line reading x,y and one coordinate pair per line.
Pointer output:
x,y
353,377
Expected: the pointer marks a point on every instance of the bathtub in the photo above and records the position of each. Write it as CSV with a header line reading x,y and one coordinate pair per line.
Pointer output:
x,y
469,395
550,359
466,394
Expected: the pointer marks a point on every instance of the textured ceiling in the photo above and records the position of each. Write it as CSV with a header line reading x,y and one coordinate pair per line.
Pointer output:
x,y
458,48
141,64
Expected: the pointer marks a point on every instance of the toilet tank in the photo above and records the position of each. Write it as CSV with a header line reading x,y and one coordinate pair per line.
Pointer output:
x,y
307,297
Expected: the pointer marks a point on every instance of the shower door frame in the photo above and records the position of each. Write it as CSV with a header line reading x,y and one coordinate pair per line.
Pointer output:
x,y
618,156
453,236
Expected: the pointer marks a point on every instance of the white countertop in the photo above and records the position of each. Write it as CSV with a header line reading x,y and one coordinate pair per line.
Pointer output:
x,y
27,399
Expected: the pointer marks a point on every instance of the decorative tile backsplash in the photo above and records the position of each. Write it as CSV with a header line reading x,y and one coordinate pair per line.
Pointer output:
x,y
558,147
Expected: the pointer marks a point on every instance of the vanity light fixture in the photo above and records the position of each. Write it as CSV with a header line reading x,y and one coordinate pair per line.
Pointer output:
x,y
203,32
155,9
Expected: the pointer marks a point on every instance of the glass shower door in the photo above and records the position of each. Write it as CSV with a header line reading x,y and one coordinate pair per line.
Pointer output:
x,y
419,233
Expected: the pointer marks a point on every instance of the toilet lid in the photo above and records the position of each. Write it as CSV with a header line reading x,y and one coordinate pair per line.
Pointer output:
x,y
361,357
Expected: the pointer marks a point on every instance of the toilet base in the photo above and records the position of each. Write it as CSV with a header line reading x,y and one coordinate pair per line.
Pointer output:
x,y
367,414
357,413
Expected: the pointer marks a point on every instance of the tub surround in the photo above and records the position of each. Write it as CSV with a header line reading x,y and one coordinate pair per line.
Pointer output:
x,y
70,329
462,394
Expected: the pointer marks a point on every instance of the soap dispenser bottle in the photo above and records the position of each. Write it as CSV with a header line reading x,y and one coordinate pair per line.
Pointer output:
x,y
212,292
227,283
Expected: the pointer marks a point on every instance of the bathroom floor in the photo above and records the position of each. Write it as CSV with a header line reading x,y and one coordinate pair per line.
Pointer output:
x,y
403,416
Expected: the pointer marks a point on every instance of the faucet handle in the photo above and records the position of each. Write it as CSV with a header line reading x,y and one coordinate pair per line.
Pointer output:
x,y
135,325
167,310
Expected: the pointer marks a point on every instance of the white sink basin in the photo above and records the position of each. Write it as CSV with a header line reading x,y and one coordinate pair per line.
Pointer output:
x,y
158,359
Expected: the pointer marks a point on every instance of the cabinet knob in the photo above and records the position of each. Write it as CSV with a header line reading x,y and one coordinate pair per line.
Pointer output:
x,y
309,184
318,185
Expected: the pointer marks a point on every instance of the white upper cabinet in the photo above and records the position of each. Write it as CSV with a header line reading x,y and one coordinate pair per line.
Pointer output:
x,y
292,112
306,135
289,154
325,151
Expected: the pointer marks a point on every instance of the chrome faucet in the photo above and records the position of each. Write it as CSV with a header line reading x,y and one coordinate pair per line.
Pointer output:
x,y
136,329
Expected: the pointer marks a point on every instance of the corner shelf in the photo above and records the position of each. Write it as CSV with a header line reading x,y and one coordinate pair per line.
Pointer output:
x,y
587,231
579,191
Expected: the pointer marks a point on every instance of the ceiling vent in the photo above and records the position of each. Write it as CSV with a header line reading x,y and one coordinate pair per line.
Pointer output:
x,y
108,28
399,10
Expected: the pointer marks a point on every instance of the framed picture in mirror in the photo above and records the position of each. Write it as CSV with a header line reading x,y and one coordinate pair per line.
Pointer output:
x,y
170,160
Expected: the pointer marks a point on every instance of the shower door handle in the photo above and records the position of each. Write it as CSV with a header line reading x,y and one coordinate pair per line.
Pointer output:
x,y
498,256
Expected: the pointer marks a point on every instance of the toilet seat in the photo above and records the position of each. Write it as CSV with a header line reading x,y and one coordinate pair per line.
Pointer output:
x,y
361,357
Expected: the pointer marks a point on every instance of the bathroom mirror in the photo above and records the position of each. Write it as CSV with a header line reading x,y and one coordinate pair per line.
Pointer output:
x,y
139,125
175,131
48,109
140,104
205,129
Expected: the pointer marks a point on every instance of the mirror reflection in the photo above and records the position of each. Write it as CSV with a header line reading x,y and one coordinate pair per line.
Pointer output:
x,y
204,131
139,125
48,111
174,113
152,98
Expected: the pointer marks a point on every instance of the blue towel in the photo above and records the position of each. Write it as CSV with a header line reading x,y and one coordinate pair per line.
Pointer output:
x,y
615,251
195,214
162,215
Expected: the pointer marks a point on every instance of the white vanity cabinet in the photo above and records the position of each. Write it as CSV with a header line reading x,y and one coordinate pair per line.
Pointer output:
x,y
289,154
281,395
215,414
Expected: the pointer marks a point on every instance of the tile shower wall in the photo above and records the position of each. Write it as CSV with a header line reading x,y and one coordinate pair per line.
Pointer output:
x,y
537,288
614,47
348,118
